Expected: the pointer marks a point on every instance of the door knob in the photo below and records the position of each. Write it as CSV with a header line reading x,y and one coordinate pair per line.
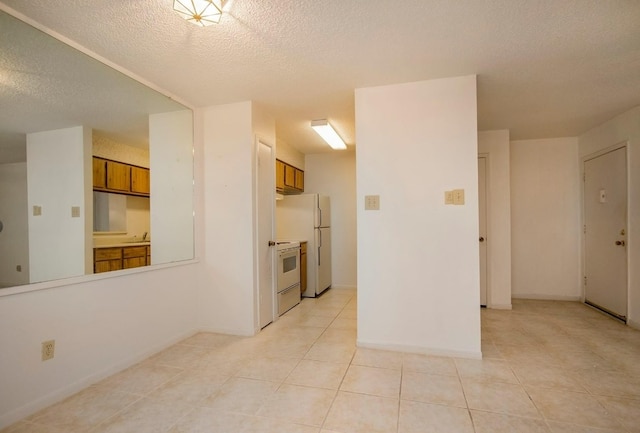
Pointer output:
x,y
622,243
271,243
481,239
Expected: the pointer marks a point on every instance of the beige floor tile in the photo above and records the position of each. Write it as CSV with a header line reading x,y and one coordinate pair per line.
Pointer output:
x,y
298,404
313,321
141,378
345,336
490,351
28,427
86,409
211,340
189,387
371,380
327,311
145,416
500,397
274,369
612,384
378,358
287,348
180,355
416,417
359,413
318,374
273,425
493,370
432,388
342,323
207,420
559,427
571,407
489,422
331,352
547,376
241,395
429,364
626,411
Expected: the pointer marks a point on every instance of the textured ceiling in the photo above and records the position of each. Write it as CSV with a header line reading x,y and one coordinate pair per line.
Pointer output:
x,y
546,68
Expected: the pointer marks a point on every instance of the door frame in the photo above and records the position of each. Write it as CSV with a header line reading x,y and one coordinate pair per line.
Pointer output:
x,y
487,179
583,262
256,219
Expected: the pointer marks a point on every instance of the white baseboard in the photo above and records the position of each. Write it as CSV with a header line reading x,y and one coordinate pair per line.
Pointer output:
x,y
228,331
56,396
633,324
419,350
538,297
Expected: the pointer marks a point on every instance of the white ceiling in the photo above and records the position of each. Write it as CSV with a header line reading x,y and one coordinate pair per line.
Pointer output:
x,y
546,68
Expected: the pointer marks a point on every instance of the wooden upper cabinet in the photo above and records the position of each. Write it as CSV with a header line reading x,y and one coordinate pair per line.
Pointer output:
x,y
279,175
299,180
99,173
289,176
140,180
118,176
289,180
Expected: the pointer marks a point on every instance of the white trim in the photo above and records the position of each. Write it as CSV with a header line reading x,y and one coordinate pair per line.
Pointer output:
x,y
633,324
32,407
230,331
419,350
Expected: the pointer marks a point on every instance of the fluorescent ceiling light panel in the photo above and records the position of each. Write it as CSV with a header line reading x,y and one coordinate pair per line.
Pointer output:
x,y
328,134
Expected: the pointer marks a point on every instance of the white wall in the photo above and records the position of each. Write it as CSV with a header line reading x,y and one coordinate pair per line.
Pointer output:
x,y
138,217
59,178
418,259
99,327
334,174
495,146
14,237
228,287
292,156
545,219
624,128
172,193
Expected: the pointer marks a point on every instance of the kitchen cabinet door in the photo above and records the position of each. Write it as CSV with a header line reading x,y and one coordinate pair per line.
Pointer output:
x,y
289,176
99,173
280,175
299,180
118,176
140,180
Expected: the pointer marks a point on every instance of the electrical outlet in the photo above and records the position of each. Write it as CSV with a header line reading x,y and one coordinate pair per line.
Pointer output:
x,y
48,349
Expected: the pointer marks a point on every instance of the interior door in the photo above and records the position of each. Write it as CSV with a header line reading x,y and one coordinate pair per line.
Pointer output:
x,y
482,211
266,253
605,213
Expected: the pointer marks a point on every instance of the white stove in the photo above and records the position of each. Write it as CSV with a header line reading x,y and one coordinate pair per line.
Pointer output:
x,y
288,275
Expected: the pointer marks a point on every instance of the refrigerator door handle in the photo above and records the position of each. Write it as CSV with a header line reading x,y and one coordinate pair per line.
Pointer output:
x,y
319,244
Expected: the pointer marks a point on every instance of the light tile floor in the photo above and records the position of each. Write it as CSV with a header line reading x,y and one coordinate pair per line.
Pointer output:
x,y
548,367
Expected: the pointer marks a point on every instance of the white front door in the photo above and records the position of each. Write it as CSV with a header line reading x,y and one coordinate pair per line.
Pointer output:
x,y
605,214
265,204
482,208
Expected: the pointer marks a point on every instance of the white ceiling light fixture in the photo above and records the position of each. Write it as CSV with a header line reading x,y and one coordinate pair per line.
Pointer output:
x,y
200,12
328,134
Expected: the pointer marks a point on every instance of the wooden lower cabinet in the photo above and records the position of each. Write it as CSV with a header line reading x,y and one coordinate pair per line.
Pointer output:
x,y
107,259
303,267
116,258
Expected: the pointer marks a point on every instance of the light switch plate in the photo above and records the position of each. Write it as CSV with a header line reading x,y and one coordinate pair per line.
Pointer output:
x,y
448,197
37,210
75,211
371,202
458,196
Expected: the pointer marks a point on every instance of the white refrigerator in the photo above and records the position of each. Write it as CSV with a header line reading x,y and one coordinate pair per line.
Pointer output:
x,y
307,217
